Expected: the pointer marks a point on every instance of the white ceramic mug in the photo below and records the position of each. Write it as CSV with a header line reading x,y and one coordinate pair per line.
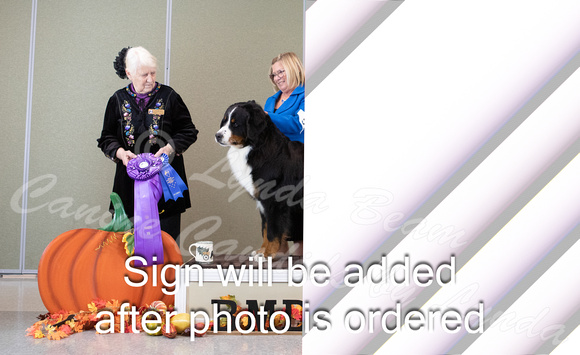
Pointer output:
x,y
203,251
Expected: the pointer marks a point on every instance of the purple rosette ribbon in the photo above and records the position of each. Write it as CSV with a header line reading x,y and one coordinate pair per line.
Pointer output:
x,y
173,185
148,242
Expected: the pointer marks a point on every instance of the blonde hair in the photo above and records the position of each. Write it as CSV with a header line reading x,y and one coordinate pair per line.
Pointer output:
x,y
293,67
139,57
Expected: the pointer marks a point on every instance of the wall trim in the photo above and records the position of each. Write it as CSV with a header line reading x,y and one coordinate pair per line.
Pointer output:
x,y
168,41
27,135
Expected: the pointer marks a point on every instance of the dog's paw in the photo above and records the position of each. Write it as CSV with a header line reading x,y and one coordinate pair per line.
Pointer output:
x,y
276,256
296,249
258,253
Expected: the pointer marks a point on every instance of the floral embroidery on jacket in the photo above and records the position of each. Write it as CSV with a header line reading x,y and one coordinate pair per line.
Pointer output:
x,y
128,129
154,128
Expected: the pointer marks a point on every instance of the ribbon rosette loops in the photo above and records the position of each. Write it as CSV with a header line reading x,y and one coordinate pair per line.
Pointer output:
x,y
173,185
145,171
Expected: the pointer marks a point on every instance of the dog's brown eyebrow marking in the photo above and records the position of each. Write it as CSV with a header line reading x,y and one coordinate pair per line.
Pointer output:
x,y
232,111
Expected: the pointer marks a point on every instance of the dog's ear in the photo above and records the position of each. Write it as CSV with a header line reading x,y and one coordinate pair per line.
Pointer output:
x,y
256,123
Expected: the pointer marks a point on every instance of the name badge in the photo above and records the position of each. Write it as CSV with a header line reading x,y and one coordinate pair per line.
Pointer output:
x,y
156,111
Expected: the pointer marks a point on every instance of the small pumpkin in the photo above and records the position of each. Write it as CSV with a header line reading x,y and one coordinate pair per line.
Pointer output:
x,y
83,264
158,306
172,331
181,321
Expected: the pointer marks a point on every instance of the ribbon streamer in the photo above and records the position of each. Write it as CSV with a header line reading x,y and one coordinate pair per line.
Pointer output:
x,y
173,185
148,243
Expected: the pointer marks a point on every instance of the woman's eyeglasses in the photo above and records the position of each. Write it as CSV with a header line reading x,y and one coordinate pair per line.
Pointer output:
x,y
278,73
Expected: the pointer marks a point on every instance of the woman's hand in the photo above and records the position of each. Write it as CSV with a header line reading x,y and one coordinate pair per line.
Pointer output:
x,y
167,149
125,155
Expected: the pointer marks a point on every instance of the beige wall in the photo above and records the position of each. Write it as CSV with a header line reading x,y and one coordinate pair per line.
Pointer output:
x,y
220,54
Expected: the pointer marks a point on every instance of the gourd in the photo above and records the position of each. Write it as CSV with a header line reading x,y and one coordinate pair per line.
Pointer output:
x,y
83,264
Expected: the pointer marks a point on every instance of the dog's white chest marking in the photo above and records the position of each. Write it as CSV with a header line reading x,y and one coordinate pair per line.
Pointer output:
x,y
238,159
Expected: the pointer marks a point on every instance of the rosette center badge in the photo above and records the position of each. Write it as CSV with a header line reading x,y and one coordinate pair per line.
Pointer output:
x,y
144,167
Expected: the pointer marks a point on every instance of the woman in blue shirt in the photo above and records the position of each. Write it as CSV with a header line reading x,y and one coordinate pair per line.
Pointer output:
x,y
286,106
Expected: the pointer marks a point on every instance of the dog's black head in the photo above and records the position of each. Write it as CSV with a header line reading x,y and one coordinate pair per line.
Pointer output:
x,y
242,124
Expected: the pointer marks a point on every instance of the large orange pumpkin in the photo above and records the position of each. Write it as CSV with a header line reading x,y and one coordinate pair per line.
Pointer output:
x,y
83,264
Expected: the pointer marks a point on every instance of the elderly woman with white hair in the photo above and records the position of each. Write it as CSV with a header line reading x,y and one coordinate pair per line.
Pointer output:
x,y
146,117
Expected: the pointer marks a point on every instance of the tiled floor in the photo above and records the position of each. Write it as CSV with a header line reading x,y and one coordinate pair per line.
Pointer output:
x,y
20,303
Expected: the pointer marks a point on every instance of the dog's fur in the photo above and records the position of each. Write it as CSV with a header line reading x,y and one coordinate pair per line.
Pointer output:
x,y
271,168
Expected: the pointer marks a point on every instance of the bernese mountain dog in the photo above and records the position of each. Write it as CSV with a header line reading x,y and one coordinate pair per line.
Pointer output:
x,y
271,168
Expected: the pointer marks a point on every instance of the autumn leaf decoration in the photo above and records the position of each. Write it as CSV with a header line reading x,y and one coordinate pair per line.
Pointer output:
x,y
62,324
59,325
129,240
